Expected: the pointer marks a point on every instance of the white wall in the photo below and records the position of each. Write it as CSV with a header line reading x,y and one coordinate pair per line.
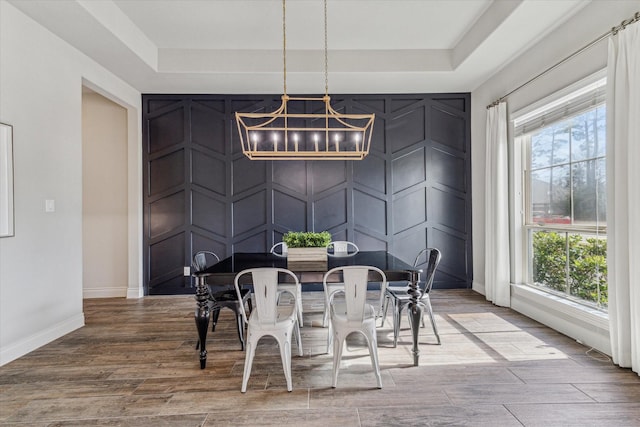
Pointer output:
x,y
104,197
587,25
41,81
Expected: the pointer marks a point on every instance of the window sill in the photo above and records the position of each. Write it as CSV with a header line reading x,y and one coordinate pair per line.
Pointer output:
x,y
586,325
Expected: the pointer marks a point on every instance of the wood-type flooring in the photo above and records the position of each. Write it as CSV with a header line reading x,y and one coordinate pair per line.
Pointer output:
x,y
135,364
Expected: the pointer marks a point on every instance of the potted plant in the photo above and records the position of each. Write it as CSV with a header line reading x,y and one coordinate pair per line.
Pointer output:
x,y
306,247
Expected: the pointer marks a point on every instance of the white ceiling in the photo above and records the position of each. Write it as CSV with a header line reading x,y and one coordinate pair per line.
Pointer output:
x,y
235,46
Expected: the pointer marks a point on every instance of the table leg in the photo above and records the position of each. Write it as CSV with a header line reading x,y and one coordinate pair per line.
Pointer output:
x,y
202,317
414,312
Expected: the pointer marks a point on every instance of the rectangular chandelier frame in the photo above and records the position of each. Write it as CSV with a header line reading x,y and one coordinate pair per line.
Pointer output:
x,y
269,136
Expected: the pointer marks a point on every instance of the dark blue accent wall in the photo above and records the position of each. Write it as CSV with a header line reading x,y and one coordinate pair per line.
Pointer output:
x,y
412,191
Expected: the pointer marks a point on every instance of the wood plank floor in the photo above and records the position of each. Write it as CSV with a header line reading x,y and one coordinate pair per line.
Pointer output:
x,y
134,364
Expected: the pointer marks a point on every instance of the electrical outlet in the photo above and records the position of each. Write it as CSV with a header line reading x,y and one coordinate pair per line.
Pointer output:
x,y
187,271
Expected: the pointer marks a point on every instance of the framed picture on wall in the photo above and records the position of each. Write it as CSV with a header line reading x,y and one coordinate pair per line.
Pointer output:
x,y
6,180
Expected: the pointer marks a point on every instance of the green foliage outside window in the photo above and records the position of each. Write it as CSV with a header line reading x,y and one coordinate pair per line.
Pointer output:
x,y
584,276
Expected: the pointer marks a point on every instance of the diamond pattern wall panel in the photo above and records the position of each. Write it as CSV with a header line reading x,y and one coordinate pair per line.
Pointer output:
x,y
412,191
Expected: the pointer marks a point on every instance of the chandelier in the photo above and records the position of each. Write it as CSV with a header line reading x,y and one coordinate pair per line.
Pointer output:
x,y
305,128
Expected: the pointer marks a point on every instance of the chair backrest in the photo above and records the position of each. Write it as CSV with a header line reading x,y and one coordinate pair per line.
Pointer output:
x,y
342,248
283,251
203,259
355,279
432,257
265,292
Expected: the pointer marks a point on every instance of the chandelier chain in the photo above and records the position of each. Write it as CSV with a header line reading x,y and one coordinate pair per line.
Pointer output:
x,y
284,45
326,56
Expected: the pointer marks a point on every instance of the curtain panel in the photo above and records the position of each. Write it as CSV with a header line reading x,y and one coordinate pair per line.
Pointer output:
x,y
623,195
497,268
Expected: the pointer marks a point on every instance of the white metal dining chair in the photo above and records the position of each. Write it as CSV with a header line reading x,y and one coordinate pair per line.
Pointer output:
x,y
353,314
399,296
268,318
295,290
337,248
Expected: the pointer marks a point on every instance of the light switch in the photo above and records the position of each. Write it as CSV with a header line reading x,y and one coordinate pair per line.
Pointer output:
x,y
49,205
187,271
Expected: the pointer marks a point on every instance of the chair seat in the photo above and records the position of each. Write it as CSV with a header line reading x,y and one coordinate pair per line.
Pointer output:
x,y
228,295
285,317
339,313
399,293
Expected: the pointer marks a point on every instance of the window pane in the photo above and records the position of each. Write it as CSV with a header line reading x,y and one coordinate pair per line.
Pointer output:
x,y
589,192
588,135
549,259
550,146
588,268
550,196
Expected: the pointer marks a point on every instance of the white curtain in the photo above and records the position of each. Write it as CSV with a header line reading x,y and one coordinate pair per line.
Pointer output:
x,y
496,264
623,195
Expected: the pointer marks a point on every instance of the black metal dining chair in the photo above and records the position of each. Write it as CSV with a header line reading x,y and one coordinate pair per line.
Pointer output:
x,y
399,296
222,297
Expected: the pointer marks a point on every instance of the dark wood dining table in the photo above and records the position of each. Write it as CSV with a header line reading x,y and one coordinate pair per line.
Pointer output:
x,y
225,271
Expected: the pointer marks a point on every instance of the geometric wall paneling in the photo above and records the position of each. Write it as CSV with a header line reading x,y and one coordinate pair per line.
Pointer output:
x,y
406,128
166,172
370,172
208,172
448,129
289,213
250,212
201,242
459,104
370,213
447,208
448,169
327,175
330,211
412,191
208,128
165,130
405,244
410,210
292,175
368,105
404,103
256,242
453,252
167,214
368,242
158,104
208,213
409,170
166,266
217,105
248,174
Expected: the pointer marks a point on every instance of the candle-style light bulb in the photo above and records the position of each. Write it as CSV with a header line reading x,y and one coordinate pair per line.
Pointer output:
x,y
357,138
315,140
254,137
295,141
275,141
336,138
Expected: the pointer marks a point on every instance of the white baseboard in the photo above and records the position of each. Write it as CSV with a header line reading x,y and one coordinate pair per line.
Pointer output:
x,y
110,292
30,343
479,288
136,292
587,326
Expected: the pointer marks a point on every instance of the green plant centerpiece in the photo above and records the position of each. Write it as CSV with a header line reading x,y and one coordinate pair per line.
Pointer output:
x,y
307,250
307,239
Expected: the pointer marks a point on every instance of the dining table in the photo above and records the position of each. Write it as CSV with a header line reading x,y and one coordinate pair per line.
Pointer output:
x,y
225,271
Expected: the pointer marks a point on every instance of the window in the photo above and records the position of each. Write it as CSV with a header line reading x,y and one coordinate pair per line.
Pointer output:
x,y
564,178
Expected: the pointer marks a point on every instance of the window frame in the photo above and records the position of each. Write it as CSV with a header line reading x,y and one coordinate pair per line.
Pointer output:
x,y
521,190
